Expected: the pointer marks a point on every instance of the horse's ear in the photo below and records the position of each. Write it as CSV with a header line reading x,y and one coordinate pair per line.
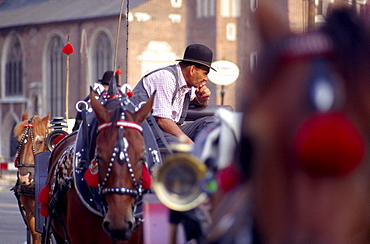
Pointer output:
x,y
100,111
271,21
25,115
145,110
46,119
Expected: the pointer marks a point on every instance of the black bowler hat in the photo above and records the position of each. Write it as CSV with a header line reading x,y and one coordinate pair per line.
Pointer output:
x,y
106,77
198,53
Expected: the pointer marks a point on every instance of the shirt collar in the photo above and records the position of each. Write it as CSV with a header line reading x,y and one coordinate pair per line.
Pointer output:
x,y
182,82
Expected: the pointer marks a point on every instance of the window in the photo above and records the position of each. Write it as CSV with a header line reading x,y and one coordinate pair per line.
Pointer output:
x,y
253,5
230,8
14,70
231,32
176,3
103,56
253,61
320,10
205,8
57,77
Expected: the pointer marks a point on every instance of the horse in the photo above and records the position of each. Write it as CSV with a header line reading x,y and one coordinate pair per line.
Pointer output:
x,y
118,164
304,152
31,134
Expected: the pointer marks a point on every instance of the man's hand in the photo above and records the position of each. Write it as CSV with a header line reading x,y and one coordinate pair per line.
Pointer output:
x,y
202,94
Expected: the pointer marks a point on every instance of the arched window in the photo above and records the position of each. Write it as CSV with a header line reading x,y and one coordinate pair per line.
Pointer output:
x,y
57,77
103,56
14,70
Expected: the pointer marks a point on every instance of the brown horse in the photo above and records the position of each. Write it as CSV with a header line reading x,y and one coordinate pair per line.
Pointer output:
x,y
31,134
307,133
119,155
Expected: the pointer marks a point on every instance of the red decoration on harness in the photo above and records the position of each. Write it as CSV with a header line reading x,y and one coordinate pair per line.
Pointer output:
x,y
16,162
228,178
44,211
129,93
109,96
329,144
68,49
91,174
146,178
44,198
44,195
58,138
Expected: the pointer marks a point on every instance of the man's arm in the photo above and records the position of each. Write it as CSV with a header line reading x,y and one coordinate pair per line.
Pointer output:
x,y
171,127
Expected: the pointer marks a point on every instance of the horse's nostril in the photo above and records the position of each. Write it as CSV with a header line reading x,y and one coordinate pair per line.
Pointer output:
x,y
106,226
129,224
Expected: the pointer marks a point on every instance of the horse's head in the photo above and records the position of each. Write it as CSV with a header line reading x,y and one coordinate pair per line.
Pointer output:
x,y
30,134
308,124
120,153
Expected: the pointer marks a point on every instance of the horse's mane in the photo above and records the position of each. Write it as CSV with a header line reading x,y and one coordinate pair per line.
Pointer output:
x,y
38,126
351,41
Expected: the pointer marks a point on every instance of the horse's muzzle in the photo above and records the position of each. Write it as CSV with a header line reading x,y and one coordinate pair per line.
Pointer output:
x,y
121,234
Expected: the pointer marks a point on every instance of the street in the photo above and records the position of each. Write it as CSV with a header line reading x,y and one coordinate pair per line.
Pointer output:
x,y
12,228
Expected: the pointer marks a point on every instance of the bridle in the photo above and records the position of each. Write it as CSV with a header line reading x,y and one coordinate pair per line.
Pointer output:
x,y
120,152
28,132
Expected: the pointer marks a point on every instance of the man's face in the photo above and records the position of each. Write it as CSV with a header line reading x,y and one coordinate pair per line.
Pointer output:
x,y
198,76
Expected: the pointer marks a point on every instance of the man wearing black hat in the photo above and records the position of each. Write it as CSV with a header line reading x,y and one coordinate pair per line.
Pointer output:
x,y
107,76
176,87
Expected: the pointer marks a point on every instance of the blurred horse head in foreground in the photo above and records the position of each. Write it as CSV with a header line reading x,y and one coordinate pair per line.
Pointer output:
x,y
305,150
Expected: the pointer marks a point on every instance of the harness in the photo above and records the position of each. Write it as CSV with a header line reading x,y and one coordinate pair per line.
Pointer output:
x,y
24,140
21,189
120,152
27,136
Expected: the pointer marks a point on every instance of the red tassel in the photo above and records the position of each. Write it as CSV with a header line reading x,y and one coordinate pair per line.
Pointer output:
x,y
44,211
228,178
146,178
68,49
329,145
129,93
58,138
44,194
16,162
91,178
118,72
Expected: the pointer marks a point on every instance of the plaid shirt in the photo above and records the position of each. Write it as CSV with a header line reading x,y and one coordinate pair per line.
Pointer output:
x,y
164,82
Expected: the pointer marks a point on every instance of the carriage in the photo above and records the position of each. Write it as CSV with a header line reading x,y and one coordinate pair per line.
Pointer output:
x,y
283,167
